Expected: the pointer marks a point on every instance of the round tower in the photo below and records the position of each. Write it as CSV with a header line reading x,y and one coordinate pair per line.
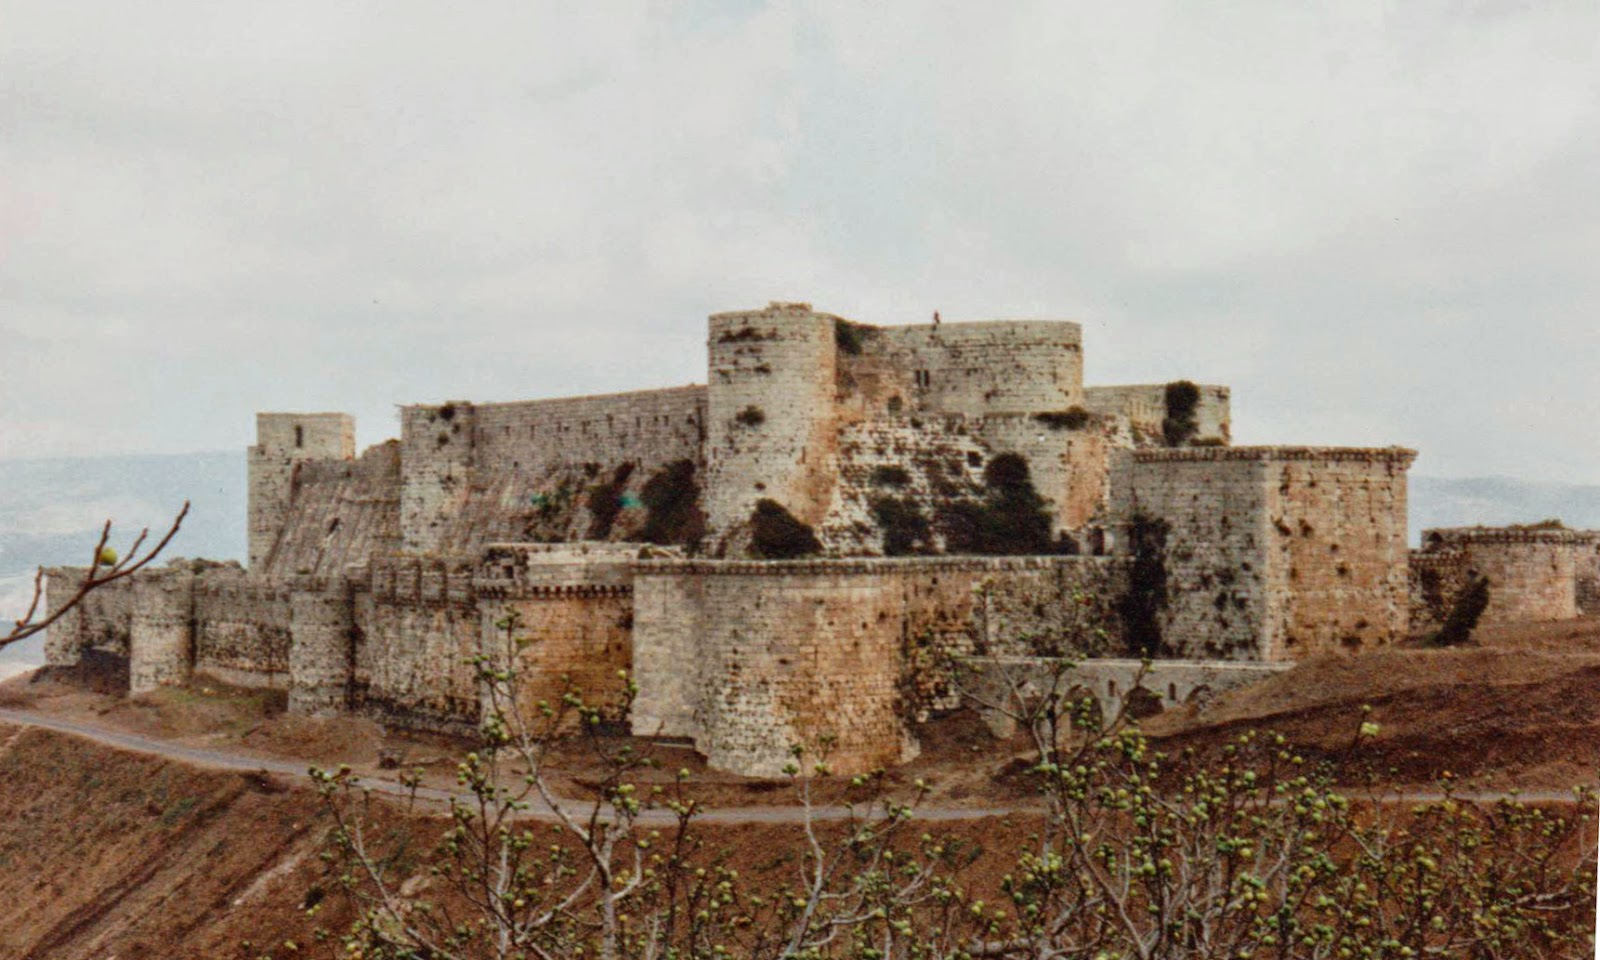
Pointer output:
x,y
998,366
161,632
770,430
320,623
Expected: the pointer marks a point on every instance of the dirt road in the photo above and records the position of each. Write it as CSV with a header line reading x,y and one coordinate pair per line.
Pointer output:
x,y
297,773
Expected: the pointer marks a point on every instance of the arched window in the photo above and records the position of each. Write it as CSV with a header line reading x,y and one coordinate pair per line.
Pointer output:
x,y
299,436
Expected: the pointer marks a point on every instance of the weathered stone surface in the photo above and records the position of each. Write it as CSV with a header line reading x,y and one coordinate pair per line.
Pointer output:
x,y
376,582
749,658
1534,573
1275,553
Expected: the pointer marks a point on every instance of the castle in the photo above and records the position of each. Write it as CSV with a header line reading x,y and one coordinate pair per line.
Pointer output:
x,y
792,549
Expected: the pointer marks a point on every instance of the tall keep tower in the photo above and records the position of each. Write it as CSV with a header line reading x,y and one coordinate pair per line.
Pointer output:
x,y
283,442
771,429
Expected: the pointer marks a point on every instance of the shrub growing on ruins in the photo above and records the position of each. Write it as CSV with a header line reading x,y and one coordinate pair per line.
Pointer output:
x,y
1182,400
889,475
1464,613
1010,520
1142,605
1072,418
776,534
605,502
751,416
850,337
906,530
672,502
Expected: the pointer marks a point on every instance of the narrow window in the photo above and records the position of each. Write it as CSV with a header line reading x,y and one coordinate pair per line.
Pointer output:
x,y
1172,692
299,435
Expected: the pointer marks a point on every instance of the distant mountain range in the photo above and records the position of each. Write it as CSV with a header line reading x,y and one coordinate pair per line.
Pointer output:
x,y
51,511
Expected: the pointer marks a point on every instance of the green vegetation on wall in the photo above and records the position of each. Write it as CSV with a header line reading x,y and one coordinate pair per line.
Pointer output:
x,y
1072,418
850,337
778,535
1464,613
1146,598
605,502
1010,520
1182,401
906,530
672,502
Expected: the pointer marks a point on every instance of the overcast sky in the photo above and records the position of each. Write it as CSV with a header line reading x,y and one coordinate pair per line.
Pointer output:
x,y
1380,223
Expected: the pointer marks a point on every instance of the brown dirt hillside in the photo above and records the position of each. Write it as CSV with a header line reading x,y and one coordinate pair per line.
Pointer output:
x,y
112,854
1518,709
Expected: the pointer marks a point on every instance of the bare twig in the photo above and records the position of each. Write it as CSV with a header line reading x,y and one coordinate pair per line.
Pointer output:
x,y
103,569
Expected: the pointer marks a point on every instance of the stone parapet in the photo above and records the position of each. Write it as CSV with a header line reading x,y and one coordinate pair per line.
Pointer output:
x,y
1401,456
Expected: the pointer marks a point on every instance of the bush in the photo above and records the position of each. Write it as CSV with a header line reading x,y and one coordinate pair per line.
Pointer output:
x,y
778,535
905,529
751,416
850,337
605,502
672,500
1182,400
890,476
1464,614
1011,520
1072,418
1146,598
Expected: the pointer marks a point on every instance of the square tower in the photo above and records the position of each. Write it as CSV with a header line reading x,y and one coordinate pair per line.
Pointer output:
x,y
283,442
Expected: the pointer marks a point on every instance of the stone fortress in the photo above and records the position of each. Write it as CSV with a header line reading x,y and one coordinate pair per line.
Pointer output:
x,y
796,549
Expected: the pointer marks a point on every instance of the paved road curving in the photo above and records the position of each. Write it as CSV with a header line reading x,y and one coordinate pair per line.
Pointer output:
x,y
231,760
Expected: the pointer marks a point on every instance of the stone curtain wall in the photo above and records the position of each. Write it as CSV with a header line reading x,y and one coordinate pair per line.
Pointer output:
x,y
1274,553
415,630
284,442
1068,466
504,472
997,686
575,606
942,462
971,369
242,630
1436,580
1217,585
101,622
747,659
1533,573
1586,559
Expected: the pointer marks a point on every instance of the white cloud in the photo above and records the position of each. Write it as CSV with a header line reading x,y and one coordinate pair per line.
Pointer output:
x,y
1373,219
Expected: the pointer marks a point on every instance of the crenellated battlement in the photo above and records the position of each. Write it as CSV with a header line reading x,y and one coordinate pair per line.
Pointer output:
x,y
1395,455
